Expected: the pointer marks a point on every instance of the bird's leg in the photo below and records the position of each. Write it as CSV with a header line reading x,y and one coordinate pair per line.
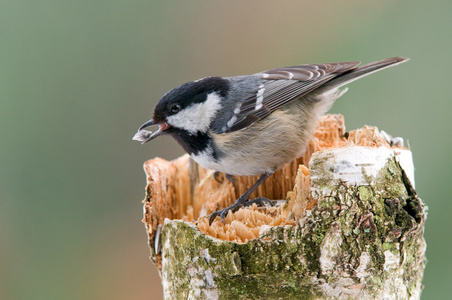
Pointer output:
x,y
241,201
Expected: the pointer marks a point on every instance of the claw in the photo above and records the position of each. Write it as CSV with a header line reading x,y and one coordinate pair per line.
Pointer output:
x,y
230,178
216,175
213,216
260,201
224,212
242,200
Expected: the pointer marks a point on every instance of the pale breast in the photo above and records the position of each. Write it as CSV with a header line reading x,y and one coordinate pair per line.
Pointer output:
x,y
266,145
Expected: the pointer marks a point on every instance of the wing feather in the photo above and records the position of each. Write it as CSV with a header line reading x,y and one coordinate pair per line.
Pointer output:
x,y
281,86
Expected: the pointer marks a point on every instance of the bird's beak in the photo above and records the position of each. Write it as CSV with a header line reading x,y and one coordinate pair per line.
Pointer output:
x,y
145,136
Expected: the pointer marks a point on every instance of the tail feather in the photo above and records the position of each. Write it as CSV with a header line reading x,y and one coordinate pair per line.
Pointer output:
x,y
360,72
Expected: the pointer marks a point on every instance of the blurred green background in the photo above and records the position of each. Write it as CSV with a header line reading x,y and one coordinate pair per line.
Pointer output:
x,y
78,77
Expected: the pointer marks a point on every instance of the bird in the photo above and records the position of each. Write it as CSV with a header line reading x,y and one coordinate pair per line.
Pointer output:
x,y
253,124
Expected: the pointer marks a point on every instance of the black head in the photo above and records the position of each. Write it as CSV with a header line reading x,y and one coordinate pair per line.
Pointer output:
x,y
189,94
188,110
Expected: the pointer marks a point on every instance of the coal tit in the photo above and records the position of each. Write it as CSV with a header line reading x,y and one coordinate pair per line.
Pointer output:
x,y
254,124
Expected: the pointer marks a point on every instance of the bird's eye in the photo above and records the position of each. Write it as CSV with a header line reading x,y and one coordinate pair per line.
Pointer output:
x,y
175,108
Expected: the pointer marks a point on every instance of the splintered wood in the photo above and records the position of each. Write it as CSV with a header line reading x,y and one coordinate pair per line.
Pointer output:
x,y
181,189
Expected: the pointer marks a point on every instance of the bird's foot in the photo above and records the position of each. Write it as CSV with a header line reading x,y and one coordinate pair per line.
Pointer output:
x,y
222,213
216,175
259,201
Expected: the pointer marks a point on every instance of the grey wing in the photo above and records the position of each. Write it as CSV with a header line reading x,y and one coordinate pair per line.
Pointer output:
x,y
279,87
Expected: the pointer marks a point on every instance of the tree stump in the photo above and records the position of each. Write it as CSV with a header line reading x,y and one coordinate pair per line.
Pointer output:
x,y
349,225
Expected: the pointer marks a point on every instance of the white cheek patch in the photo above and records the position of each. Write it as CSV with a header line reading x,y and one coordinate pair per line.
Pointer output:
x,y
198,116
